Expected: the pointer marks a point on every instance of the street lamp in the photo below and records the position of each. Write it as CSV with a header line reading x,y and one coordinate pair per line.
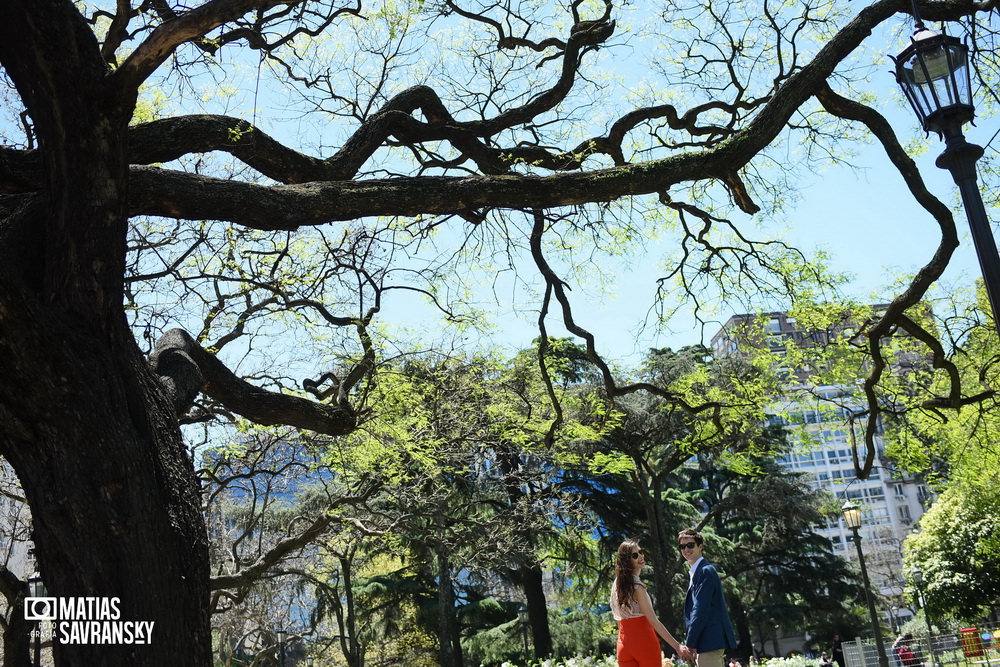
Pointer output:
x,y
282,638
933,72
852,517
36,589
918,583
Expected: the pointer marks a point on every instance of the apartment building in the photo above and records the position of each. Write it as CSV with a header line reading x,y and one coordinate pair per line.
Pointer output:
x,y
817,420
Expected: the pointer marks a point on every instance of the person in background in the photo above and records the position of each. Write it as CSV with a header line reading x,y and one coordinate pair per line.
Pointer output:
x,y
824,660
838,651
632,608
709,630
902,649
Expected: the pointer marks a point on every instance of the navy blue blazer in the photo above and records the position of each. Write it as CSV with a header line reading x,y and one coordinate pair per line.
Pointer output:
x,y
705,614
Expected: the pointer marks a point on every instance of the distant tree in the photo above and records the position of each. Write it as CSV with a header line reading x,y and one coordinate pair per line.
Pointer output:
x,y
778,571
959,581
272,503
658,437
956,454
471,470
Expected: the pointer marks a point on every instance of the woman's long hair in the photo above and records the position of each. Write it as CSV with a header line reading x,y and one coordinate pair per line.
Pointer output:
x,y
624,573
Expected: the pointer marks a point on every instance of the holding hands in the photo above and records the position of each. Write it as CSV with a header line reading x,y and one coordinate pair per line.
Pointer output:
x,y
688,654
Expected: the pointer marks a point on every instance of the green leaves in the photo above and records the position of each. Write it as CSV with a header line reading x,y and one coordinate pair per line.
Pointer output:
x,y
958,550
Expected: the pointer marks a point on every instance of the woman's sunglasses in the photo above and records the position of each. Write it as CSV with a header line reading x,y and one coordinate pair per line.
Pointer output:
x,y
635,554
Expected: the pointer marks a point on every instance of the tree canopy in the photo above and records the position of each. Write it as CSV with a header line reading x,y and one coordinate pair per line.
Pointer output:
x,y
209,210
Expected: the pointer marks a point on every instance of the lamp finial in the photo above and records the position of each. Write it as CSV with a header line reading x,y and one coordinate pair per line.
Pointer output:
x,y
918,23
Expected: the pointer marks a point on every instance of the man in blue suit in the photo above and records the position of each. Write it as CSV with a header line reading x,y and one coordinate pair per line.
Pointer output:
x,y
709,630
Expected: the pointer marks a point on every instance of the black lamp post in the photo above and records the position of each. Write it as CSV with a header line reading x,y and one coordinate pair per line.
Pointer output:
x,y
918,583
36,589
852,517
282,638
933,71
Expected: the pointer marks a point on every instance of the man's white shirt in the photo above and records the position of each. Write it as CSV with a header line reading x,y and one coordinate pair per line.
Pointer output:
x,y
691,571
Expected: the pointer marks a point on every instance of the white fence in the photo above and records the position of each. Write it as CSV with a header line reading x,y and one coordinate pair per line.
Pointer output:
x,y
981,649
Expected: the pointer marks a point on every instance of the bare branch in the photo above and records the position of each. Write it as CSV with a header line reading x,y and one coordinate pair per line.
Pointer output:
x,y
289,545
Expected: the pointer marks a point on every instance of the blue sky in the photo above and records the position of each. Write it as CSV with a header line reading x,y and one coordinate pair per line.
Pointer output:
x,y
864,218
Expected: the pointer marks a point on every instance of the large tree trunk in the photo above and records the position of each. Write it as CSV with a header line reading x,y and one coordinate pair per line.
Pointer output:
x,y
86,425
538,611
113,496
449,646
739,615
350,643
662,546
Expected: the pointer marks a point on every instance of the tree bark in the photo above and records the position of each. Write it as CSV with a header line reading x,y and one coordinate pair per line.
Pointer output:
x,y
538,613
651,495
111,488
739,615
86,424
349,643
450,650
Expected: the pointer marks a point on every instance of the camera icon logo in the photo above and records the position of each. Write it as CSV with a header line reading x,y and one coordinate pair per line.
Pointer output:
x,y
40,609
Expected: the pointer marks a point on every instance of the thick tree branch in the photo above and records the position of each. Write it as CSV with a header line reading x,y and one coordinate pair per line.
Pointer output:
x,y
188,368
186,27
159,192
894,315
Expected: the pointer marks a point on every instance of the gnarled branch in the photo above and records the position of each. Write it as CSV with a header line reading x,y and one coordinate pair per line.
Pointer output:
x,y
187,368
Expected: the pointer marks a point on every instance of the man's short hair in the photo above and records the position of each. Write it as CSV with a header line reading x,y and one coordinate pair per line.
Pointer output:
x,y
690,532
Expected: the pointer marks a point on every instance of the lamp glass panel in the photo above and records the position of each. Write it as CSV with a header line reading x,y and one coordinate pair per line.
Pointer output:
x,y
922,104
949,89
936,64
852,516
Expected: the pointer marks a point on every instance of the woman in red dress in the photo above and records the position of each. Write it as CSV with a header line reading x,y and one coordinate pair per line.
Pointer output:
x,y
638,626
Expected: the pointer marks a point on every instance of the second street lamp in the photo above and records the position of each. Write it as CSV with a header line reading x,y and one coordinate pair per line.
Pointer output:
x,y
852,517
933,71
918,583
37,590
282,638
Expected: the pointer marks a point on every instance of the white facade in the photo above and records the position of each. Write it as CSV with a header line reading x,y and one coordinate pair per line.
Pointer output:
x,y
817,422
891,502
15,525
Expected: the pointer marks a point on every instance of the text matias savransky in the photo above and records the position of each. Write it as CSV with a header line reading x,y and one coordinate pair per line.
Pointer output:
x,y
87,620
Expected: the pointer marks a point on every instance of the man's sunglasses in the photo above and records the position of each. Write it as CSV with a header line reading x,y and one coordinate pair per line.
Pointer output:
x,y
635,554
687,545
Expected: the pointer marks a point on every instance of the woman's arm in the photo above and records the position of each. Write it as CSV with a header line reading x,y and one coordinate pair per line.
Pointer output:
x,y
646,606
